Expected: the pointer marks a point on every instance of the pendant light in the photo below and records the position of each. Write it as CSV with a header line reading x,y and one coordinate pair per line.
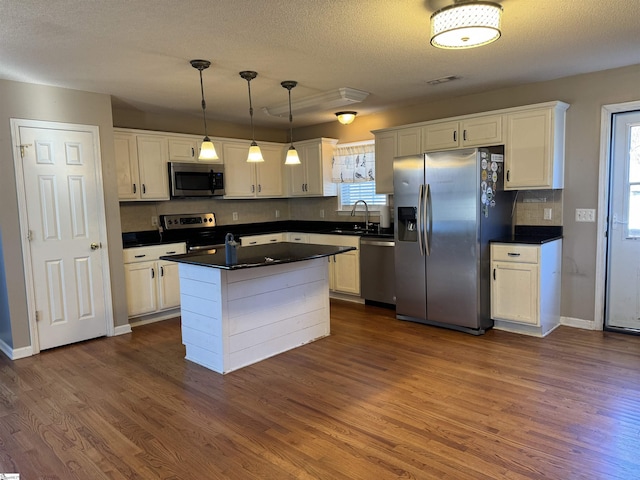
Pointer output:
x,y
255,155
207,150
292,153
466,24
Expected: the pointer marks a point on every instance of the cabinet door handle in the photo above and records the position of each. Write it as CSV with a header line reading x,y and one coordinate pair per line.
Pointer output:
x,y
135,189
170,253
140,256
508,171
494,273
193,152
464,135
253,189
144,188
253,243
273,239
511,254
162,271
455,136
259,188
153,273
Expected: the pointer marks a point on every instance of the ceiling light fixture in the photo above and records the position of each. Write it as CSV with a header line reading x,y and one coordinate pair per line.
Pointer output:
x,y
466,24
346,118
207,150
255,155
321,102
292,153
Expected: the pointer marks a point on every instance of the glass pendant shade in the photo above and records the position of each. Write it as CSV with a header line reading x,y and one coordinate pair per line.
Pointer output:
x,y
255,154
292,156
346,118
207,150
466,25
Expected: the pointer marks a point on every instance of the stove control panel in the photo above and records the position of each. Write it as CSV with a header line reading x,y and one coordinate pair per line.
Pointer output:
x,y
190,220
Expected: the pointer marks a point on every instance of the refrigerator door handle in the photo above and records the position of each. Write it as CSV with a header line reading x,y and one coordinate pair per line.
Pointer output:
x,y
429,215
420,220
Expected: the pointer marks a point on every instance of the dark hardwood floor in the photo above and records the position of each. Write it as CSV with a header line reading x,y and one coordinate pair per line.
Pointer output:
x,y
378,399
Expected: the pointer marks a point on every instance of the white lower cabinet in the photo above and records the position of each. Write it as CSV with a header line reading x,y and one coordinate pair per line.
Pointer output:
x,y
344,269
296,237
152,285
525,287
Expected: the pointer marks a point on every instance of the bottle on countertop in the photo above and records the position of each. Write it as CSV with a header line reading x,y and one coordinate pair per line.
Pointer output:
x,y
230,249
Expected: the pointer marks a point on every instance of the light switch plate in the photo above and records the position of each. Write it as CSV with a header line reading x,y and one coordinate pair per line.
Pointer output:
x,y
585,215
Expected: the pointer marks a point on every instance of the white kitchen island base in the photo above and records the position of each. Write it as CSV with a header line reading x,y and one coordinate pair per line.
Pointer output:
x,y
233,318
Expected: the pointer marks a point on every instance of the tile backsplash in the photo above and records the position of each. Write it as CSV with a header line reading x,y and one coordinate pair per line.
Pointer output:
x,y
531,206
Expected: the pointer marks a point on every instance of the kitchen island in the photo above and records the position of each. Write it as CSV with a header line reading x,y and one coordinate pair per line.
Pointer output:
x,y
274,298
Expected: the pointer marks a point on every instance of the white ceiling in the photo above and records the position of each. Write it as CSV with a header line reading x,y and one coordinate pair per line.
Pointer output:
x,y
139,50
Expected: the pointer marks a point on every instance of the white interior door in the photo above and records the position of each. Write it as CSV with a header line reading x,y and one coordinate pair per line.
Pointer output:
x,y
62,184
623,273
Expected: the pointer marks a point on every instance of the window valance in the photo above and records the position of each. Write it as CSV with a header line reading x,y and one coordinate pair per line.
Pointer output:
x,y
354,163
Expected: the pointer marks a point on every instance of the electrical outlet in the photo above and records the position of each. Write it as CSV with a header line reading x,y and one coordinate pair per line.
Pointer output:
x,y
234,215
548,213
154,221
277,213
322,213
585,215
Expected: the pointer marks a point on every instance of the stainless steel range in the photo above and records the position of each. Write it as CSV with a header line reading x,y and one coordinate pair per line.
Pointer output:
x,y
197,229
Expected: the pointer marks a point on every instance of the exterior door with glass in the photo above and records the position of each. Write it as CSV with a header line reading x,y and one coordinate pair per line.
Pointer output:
x,y
623,256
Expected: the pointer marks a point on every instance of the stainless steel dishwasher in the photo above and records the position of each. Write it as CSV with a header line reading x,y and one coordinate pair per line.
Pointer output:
x,y
377,271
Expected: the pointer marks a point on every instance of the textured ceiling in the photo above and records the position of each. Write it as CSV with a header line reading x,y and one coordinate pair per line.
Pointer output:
x,y
139,50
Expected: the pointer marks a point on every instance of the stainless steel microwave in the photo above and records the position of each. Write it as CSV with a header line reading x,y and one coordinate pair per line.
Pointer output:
x,y
196,180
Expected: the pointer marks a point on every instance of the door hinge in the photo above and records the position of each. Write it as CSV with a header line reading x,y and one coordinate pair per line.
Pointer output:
x,y
29,235
22,147
38,315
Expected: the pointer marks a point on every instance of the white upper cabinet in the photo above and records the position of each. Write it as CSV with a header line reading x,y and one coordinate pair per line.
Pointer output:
x,y
153,156
312,178
390,144
252,180
126,154
472,132
186,148
534,152
141,165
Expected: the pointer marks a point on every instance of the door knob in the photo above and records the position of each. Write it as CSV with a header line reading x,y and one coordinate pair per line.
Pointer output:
x,y
95,246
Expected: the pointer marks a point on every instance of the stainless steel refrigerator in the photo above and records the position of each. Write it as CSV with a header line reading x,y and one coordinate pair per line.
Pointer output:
x,y
448,206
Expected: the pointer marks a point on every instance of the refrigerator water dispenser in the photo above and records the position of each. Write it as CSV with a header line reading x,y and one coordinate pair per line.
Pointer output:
x,y
407,224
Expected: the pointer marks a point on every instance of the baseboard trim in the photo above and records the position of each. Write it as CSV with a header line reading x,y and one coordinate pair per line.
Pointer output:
x,y
15,353
122,330
579,323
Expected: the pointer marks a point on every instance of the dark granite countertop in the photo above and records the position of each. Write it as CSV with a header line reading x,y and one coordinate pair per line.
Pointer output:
x,y
532,235
217,233
259,255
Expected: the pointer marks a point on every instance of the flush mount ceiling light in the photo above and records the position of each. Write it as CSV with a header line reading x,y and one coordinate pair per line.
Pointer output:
x,y
346,118
255,155
320,102
292,153
207,150
466,24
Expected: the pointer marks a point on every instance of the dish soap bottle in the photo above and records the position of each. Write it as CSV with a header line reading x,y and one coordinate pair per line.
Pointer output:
x,y
230,249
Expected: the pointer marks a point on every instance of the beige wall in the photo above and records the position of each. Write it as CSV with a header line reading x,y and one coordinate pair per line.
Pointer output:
x,y
586,94
127,118
36,102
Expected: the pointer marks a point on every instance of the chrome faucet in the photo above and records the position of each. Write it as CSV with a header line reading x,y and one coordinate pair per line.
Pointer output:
x,y
366,213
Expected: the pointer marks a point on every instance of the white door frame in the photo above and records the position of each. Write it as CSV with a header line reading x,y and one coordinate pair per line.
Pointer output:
x,y
603,203
16,123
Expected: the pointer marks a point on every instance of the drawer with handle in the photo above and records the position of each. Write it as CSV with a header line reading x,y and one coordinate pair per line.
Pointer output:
x,y
152,252
513,252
